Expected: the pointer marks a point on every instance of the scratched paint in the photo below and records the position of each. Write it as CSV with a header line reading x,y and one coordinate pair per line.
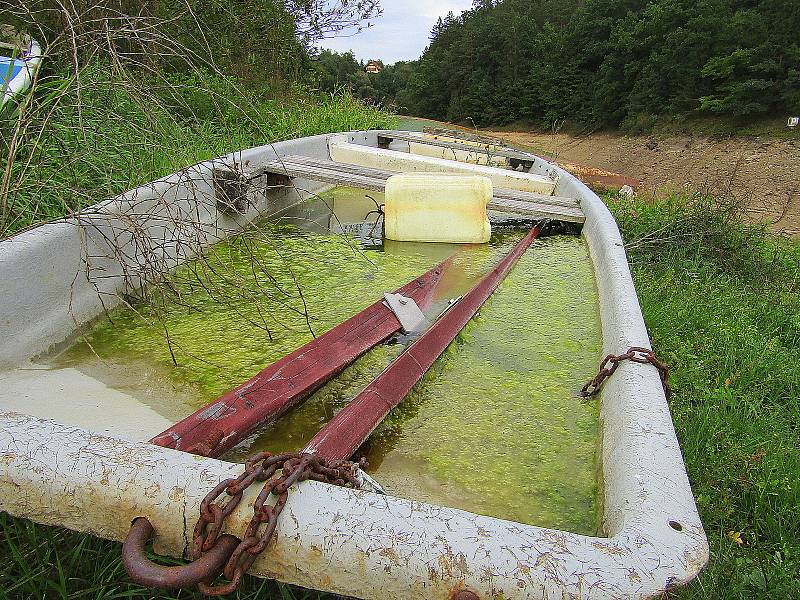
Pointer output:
x,y
495,428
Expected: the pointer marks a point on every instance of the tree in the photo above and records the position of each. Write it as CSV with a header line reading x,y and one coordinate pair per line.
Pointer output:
x,y
318,19
605,62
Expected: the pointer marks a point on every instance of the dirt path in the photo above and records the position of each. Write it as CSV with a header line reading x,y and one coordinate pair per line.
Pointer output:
x,y
763,174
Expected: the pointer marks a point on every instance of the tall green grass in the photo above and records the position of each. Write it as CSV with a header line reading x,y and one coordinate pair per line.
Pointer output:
x,y
722,304
87,139
46,562
83,143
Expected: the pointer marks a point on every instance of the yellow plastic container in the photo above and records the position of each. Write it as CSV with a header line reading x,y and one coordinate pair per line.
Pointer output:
x,y
438,207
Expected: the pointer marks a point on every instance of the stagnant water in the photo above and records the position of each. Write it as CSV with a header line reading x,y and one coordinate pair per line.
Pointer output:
x,y
495,428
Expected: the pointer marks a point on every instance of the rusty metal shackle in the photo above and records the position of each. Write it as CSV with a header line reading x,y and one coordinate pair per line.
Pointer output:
x,y
145,572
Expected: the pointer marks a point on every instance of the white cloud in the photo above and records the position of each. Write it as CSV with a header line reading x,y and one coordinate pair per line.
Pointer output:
x,y
401,33
434,10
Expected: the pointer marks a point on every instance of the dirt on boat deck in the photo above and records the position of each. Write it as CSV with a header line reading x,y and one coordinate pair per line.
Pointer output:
x,y
763,174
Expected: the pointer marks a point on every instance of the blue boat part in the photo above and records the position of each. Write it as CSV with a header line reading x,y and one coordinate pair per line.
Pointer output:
x,y
17,73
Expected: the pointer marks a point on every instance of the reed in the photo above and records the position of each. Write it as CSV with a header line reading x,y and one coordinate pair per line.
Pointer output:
x,y
81,141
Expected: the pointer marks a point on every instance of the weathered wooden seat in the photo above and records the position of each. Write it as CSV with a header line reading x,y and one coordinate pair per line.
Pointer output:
x,y
510,201
515,157
467,136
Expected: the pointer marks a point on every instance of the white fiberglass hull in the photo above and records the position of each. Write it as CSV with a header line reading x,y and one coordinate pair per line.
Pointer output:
x,y
60,276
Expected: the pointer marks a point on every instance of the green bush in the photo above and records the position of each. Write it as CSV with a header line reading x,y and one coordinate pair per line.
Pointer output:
x,y
605,62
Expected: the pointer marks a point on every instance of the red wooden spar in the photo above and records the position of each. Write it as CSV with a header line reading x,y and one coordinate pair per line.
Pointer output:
x,y
350,428
218,427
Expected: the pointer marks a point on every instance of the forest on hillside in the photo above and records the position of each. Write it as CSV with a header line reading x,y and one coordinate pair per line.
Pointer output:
x,y
596,62
590,62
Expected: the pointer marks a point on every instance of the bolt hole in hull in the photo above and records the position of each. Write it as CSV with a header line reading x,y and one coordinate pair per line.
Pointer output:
x,y
496,428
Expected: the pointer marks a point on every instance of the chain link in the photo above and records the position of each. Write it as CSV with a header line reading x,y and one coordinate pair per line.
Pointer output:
x,y
634,354
279,472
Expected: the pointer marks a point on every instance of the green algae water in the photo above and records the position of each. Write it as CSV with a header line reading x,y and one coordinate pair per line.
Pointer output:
x,y
495,427
497,423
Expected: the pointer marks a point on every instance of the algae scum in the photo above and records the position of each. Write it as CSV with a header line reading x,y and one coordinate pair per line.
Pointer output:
x,y
495,428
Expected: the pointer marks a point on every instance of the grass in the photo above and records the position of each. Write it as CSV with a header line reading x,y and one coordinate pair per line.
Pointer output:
x,y
769,127
83,143
48,562
722,303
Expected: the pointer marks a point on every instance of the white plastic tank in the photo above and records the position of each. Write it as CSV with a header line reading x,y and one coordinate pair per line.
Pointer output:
x,y
438,207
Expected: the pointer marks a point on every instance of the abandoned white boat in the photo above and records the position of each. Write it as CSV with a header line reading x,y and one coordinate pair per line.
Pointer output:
x,y
18,65
83,451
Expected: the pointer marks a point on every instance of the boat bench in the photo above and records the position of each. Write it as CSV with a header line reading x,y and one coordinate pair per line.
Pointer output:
x,y
466,136
282,170
515,157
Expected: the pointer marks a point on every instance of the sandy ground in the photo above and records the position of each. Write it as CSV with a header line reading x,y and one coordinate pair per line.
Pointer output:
x,y
763,174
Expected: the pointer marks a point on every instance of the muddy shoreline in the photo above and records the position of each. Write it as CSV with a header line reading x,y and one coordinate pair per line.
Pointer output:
x,y
761,174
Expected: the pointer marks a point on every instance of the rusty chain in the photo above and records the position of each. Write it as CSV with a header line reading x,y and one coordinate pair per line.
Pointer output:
x,y
280,472
634,354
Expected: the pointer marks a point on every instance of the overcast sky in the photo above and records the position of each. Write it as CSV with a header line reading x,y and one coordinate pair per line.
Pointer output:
x,y
401,33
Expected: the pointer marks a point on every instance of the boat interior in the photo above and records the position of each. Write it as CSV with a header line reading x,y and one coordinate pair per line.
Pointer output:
x,y
162,308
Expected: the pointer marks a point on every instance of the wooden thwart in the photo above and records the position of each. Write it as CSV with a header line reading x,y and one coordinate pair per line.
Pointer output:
x,y
504,200
515,156
467,136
